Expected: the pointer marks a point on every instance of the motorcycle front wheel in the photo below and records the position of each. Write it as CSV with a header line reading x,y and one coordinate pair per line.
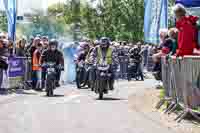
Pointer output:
x,y
50,88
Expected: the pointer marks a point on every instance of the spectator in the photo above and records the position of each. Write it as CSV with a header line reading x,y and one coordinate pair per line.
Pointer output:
x,y
10,47
20,49
3,62
187,36
45,46
36,68
34,46
28,47
163,50
173,32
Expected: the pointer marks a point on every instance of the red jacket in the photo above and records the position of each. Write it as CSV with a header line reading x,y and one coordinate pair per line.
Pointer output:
x,y
187,36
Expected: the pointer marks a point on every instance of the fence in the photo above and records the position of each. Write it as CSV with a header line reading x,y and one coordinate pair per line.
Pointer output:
x,y
181,81
123,65
150,64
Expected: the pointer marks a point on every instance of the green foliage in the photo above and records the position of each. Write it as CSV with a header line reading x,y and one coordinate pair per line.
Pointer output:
x,y
3,21
121,19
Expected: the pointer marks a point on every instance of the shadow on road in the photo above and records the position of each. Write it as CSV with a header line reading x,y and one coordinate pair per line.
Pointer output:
x,y
111,99
56,95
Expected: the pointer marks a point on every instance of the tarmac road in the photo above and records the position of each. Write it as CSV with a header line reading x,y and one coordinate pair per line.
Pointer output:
x,y
77,111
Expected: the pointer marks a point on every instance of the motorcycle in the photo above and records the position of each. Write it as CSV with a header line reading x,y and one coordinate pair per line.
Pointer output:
x,y
90,76
102,80
50,82
80,74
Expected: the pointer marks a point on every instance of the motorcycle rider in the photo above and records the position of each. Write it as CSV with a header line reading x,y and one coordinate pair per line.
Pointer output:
x,y
137,58
45,45
82,55
52,54
105,51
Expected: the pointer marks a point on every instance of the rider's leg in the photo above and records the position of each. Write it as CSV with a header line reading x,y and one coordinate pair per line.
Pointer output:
x,y
58,74
111,80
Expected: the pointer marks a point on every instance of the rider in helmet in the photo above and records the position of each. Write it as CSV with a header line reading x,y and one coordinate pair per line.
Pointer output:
x,y
105,51
52,54
83,52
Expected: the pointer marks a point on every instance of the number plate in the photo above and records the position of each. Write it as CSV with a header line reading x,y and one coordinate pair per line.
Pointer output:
x,y
51,69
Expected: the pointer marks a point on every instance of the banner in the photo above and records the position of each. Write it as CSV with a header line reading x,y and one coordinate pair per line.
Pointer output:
x,y
10,7
155,18
189,3
16,67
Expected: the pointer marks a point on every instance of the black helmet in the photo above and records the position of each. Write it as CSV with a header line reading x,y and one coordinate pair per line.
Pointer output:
x,y
53,42
104,41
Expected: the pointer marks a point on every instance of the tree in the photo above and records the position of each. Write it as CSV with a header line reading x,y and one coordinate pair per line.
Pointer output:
x,y
3,21
121,19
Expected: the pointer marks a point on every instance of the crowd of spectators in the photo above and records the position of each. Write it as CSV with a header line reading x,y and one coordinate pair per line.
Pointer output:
x,y
23,48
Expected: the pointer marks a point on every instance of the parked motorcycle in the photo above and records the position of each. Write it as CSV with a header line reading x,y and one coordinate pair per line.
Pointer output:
x,y
102,80
50,82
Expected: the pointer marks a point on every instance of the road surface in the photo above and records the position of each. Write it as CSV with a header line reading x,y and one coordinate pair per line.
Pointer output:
x,y
77,111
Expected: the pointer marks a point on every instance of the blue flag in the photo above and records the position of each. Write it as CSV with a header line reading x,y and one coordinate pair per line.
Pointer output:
x,y
10,7
189,3
155,18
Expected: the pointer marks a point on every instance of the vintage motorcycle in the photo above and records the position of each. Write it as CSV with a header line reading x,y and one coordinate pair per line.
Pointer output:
x,y
102,79
50,83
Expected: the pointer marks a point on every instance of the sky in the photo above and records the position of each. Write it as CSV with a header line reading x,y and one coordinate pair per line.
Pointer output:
x,y
24,5
28,5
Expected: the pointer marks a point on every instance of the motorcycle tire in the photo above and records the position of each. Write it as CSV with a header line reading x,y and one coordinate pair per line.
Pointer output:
x,y
102,88
51,92
100,95
50,87
78,84
47,93
92,85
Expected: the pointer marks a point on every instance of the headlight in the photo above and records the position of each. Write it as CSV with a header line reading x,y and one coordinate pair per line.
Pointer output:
x,y
102,74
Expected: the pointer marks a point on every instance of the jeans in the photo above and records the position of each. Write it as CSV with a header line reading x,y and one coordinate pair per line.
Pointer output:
x,y
36,79
44,73
140,71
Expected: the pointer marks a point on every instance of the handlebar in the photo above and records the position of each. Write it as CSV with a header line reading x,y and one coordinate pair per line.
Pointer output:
x,y
52,65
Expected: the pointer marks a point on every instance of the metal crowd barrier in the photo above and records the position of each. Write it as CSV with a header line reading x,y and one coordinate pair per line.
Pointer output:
x,y
123,64
150,64
181,81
